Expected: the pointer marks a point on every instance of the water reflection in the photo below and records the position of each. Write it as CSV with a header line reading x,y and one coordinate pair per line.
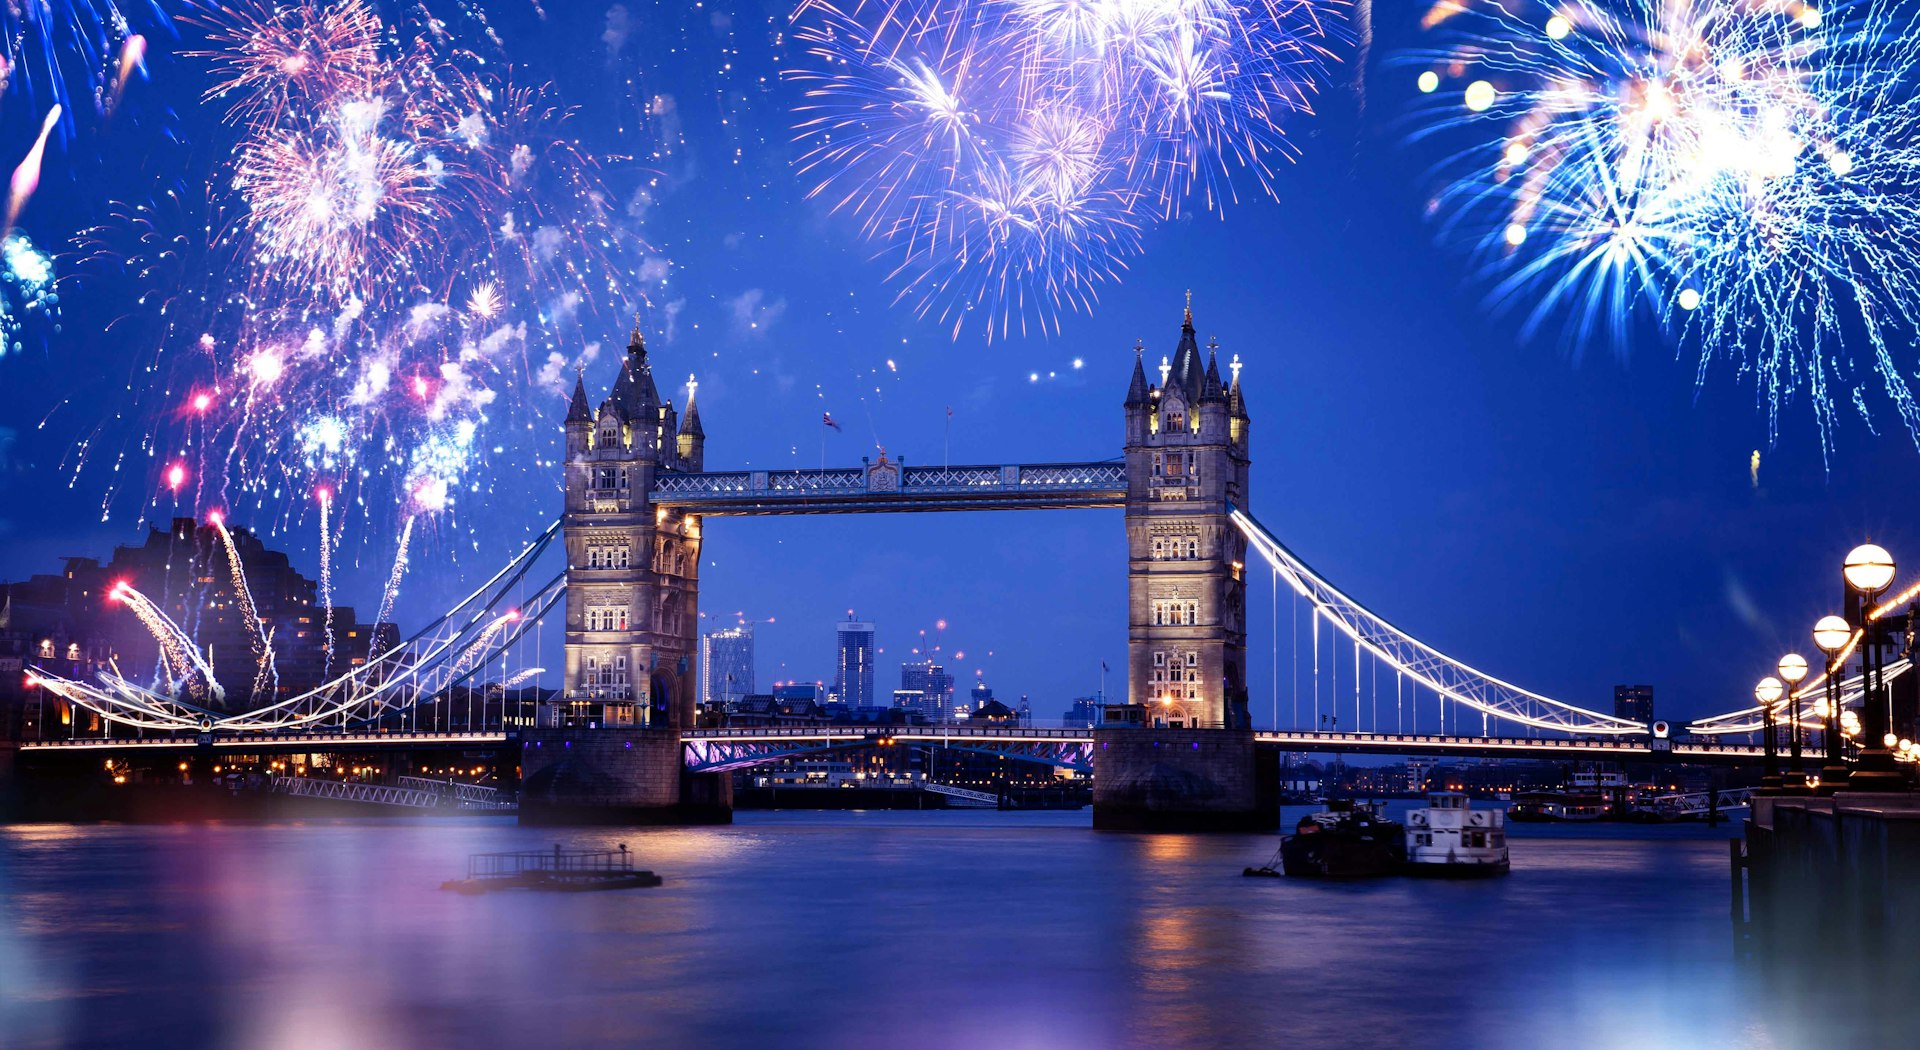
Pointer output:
x,y
854,930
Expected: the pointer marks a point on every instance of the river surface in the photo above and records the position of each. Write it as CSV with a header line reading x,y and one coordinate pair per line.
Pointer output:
x,y
863,929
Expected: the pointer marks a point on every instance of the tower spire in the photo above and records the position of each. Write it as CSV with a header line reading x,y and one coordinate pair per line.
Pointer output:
x,y
690,423
1188,323
1137,389
577,410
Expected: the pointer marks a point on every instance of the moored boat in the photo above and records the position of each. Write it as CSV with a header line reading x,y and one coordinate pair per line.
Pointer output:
x,y
1450,838
1346,840
1554,807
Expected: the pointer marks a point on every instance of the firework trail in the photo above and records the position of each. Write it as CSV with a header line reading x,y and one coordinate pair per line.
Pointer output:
x,y
180,659
26,175
325,496
475,652
522,677
1741,172
393,578
1007,155
264,675
56,52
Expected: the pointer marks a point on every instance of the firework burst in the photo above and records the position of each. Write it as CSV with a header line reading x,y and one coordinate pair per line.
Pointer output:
x,y
396,226
26,289
1007,155
1742,172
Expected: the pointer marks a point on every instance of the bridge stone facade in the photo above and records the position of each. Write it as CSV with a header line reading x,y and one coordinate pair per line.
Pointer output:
x,y
633,569
1187,466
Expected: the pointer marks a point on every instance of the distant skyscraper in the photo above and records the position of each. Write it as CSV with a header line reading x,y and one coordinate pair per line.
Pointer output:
x,y
933,683
1084,714
1634,702
726,664
853,663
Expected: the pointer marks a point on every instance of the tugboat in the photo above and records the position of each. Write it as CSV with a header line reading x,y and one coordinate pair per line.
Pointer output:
x,y
1349,840
1451,839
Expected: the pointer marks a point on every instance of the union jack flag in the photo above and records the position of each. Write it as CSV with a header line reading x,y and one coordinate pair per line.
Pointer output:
x,y
827,418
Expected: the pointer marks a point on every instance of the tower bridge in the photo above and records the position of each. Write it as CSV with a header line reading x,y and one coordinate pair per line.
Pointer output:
x,y
621,740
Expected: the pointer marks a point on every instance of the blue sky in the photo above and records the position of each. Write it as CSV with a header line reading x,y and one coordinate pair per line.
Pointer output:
x,y
1564,518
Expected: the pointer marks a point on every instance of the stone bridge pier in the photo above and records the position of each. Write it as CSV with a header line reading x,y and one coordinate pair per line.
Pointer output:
x,y
629,775
1184,780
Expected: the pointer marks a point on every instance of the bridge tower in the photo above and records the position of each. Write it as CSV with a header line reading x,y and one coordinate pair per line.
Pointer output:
x,y
1186,455
633,569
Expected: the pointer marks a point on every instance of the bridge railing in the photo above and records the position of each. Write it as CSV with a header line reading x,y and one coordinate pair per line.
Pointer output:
x,y
354,791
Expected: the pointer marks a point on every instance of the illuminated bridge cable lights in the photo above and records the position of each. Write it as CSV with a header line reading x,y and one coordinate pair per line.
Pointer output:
x,y
1451,679
443,656
1749,720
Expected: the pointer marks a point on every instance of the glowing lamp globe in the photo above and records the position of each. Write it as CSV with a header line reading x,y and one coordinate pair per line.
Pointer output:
x,y
1889,740
1768,691
1793,668
1831,634
1868,568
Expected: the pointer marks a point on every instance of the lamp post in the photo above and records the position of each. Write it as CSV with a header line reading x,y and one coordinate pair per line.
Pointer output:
x,y
1868,570
1768,691
1831,634
1793,671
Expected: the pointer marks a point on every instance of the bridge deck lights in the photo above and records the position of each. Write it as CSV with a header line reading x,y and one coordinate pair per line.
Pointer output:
x,y
1793,669
1768,691
1831,634
1868,569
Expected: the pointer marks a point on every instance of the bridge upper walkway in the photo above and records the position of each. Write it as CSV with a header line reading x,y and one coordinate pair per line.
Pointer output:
x,y
894,487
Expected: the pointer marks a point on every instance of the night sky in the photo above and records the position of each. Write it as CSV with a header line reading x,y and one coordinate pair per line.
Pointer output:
x,y
1566,518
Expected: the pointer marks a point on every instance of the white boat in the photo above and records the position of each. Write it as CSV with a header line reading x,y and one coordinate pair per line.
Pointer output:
x,y
1451,838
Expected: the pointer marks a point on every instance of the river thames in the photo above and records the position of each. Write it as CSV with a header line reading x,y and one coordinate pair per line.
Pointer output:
x,y
864,929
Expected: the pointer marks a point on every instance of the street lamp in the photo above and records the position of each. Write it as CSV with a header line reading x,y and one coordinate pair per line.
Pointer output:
x,y
1768,691
1868,570
1793,670
1831,634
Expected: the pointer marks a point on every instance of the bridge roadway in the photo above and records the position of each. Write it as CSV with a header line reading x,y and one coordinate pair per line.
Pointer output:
x,y
736,748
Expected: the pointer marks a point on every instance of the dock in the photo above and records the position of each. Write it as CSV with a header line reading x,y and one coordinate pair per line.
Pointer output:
x,y
558,870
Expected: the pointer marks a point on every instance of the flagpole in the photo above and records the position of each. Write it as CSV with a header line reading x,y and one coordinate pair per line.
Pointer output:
x,y
946,442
